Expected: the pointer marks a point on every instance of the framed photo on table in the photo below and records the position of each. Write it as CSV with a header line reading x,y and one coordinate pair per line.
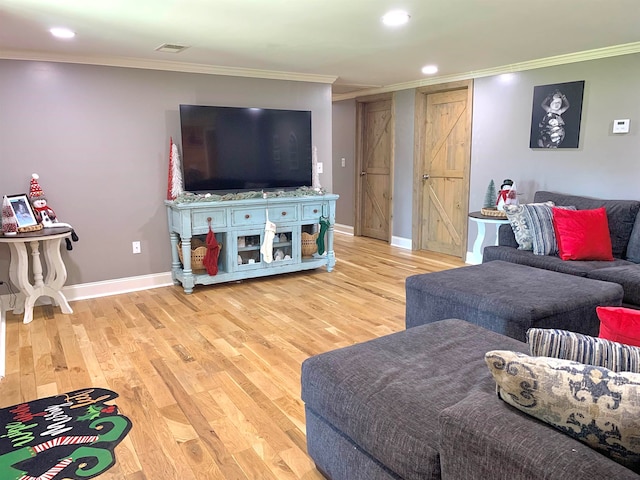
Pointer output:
x,y
22,210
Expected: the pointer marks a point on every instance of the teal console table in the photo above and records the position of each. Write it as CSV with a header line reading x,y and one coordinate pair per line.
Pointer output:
x,y
239,226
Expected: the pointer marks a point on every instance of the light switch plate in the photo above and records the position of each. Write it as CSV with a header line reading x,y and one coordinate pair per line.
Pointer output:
x,y
621,126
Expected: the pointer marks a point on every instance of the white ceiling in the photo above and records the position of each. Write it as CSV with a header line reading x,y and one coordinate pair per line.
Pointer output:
x,y
320,40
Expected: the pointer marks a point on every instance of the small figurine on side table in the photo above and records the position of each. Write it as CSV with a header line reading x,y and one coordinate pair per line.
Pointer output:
x,y
44,213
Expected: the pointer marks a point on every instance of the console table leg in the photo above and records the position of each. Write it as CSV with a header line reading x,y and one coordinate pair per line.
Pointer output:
x,y
331,256
187,274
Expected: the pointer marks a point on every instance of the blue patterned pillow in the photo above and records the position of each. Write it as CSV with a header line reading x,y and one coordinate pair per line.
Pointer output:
x,y
539,217
547,342
591,404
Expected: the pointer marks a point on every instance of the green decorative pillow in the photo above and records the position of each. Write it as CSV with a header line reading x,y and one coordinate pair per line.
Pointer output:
x,y
547,342
591,404
521,224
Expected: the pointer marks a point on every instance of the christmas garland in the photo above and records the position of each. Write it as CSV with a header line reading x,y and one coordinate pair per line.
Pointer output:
x,y
188,197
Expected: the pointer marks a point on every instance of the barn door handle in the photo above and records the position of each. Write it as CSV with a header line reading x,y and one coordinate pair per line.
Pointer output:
x,y
362,174
425,176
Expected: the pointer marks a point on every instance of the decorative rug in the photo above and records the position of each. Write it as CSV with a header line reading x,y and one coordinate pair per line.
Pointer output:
x,y
68,436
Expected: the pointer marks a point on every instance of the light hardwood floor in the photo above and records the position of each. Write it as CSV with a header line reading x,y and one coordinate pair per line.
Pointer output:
x,y
211,380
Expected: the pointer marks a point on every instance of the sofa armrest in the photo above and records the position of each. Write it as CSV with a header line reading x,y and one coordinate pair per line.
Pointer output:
x,y
506,237
482,437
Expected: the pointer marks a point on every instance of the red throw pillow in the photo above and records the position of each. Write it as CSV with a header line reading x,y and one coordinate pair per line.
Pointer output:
x,y
582,234
619,324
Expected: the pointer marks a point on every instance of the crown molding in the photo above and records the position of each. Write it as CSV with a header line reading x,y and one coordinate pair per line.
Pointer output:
x,y
598,53
166,66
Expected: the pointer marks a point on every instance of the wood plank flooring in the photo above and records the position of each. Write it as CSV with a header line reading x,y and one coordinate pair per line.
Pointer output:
x,y
211,380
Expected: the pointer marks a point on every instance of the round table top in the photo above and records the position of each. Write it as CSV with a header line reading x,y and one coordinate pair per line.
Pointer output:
x,y
50,233
487,218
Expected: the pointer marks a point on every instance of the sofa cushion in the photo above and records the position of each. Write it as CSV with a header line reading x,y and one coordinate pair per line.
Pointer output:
x,y
482,438
633,248
582,234
581,268
385,394
619,324
548,342
620,213
520,224
592,404
624,273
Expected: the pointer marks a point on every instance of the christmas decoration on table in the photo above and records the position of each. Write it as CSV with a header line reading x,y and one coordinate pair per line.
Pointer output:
x,y
489,207
189,197
490,197
210,260
174,187
507,194
324,226
44,213
9,222
266,249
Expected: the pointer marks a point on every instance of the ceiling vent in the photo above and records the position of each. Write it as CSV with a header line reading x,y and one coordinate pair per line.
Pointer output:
x,y
171,48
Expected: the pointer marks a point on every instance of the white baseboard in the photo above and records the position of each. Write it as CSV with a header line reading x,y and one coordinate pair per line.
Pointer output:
x,y
401,242
117,286
105,288
343,229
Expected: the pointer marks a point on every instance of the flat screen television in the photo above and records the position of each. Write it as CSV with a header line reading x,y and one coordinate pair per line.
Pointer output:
x,y
233,149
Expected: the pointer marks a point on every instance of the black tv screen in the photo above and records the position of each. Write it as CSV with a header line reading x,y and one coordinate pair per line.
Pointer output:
x,y
231,149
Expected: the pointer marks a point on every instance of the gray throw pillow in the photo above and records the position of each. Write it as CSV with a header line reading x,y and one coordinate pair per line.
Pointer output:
x,y
520,224
633,248
539,217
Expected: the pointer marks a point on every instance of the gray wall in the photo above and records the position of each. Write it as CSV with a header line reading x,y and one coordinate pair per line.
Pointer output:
x,y
99,138
344,146
605,165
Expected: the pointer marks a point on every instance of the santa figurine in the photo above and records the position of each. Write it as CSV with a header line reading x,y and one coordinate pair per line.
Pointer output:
x,y
44,214
507,194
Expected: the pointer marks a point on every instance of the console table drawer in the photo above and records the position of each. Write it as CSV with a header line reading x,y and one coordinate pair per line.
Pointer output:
x,y
312,211
283,213
248,216
257,216
200,220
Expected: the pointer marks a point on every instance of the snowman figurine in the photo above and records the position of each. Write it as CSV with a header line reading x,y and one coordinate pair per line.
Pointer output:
x,y
44,213
507,194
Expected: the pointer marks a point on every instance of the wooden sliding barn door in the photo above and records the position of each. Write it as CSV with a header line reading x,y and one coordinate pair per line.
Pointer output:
x,y
374,152
441,167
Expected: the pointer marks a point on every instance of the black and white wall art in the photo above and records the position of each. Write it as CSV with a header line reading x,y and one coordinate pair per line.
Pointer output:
x,y
556,114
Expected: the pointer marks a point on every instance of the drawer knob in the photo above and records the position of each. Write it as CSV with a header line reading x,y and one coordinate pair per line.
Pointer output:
x,y
247,216
315,210
284,214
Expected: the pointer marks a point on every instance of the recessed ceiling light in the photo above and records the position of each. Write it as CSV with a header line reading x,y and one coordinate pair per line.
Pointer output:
x,y
429,69
395,18
62,32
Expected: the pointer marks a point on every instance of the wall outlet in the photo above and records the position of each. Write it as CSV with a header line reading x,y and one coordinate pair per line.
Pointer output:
x,y
136,247
319,167
343,161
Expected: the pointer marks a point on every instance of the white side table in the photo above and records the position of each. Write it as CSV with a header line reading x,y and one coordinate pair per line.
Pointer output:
x,y
481,221
49,286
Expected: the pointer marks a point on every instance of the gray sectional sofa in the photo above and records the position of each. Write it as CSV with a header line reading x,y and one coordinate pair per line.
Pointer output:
x,y
421,405
624,227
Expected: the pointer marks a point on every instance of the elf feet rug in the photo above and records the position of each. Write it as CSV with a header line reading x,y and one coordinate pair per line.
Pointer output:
x,y
69,436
